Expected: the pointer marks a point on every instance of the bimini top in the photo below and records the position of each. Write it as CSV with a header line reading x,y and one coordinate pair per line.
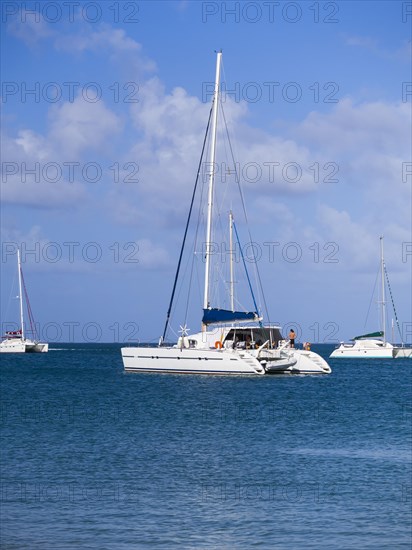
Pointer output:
x,y
214,315
378,334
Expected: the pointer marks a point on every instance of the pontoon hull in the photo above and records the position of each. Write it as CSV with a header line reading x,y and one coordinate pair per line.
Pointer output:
x,y
27,346
365,349
218,361
402,353
37,347
12,346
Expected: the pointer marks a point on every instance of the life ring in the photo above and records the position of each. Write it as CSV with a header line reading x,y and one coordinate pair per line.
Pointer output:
x,y
218,344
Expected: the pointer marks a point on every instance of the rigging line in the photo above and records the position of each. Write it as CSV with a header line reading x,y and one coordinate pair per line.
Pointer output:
x,y
194,247
189,289
194,262
392,300
247,274
373,294
179,288
220,206
29,310
187,226
237,178
225,284
12,292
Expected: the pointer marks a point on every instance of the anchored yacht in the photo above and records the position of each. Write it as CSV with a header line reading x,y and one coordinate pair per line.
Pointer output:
x,y
231,341
15,341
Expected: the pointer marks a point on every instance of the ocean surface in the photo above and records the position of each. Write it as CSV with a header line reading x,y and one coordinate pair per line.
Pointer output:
x,y
95,458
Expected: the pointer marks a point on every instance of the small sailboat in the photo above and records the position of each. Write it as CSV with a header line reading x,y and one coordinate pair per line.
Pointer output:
x,y
231,342
374,345
15,341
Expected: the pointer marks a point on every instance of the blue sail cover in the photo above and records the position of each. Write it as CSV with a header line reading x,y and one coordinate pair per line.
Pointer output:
x,y
225,316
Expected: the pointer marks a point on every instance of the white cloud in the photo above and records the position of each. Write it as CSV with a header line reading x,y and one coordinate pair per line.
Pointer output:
x,y
35,168
402,53
354,239
358,240
352,128
173,119
80,126
98,38
368,142
125,209
151,255
32,145
36,192
172,128
30,27
105,38
362,41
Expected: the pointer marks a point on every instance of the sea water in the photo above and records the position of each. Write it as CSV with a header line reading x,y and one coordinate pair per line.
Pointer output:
x,y
95,458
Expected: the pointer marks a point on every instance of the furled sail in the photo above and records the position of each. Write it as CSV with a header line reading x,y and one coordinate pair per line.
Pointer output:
x,y
370,335
214,315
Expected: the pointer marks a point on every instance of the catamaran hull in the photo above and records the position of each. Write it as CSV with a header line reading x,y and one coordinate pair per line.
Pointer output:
x,y
364,351
218,362
402,353
301,362
37,348
187,361
8,346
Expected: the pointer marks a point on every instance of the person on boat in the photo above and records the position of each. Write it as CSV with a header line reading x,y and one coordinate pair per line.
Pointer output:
x,y
292,336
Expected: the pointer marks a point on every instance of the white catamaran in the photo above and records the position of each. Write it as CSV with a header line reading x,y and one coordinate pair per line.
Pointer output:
x,y
375,345
230,342
15,341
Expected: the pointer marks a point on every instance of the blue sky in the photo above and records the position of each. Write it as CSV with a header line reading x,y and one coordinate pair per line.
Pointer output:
x,y
104,107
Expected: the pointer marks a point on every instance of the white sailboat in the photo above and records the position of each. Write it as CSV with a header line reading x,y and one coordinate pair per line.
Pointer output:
x,y
230,342
374,345
16,341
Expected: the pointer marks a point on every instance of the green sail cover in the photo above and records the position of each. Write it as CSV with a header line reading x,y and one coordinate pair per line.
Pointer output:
x,y
370,335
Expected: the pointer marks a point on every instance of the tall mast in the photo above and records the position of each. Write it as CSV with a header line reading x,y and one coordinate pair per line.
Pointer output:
x,y
383,303
232,280
211,175
20,296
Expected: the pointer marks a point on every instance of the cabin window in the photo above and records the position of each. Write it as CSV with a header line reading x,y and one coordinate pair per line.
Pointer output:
x,y
252,337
